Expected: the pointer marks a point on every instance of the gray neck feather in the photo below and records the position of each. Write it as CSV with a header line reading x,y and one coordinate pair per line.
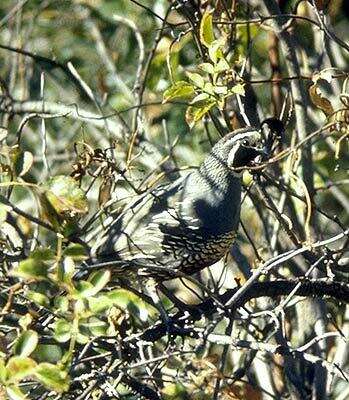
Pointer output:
x,y
217,192
214,171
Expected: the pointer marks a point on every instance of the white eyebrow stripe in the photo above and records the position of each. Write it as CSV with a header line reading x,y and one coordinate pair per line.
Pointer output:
x,y
245,135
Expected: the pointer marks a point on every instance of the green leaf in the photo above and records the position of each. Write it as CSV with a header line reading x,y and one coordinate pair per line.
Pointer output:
x,y
22,162
82,339
25,320
14,393
238,89
65,196
197,79
215,51
62,330
99,279
48,212
51,353
83,290
179,89
221,90
99,304
3,372
62,303
52,377
43,254
174,391
96,326
31,268
38,298
80,306
221,66
66,270
96,282
122,299
26,343
207,67
206,29
19,368
195,114
76,251
209,88
200,99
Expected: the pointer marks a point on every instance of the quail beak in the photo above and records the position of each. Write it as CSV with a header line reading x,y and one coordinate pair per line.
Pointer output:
x,y
256,150
256,154
246,156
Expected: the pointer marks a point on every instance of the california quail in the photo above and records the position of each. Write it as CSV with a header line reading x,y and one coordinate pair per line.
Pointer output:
x,y
184,226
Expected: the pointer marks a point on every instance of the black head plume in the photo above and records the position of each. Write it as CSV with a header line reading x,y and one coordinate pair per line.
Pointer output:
x,y
272,130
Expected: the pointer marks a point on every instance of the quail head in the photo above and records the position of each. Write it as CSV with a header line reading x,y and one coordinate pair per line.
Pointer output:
x,y
184,226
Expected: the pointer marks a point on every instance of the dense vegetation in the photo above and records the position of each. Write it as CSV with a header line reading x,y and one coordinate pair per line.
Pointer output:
x,y
101,99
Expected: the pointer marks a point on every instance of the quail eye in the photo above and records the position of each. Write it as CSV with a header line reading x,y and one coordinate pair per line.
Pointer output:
x,y
245,142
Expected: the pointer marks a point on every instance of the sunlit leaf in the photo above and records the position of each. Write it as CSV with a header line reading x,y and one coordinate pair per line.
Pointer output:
x,y
31,268
65,196
100,303
207,67
221,66
76,251
62,303
3,372
66,270
84,289
238,89
202,97
221,90
38,298
195,114
197,79
19,368
62,330
96,326
179,89
22,162
174,391
96,282
25,320
215,51
99,279
52,377
206,29
26,343
14,393
209,88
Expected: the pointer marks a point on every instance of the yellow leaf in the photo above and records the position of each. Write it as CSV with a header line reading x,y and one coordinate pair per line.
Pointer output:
x,y
206,30
195,114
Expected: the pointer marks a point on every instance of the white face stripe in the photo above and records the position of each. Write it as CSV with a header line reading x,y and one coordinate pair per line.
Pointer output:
x,y
251,135
246,135
240,136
